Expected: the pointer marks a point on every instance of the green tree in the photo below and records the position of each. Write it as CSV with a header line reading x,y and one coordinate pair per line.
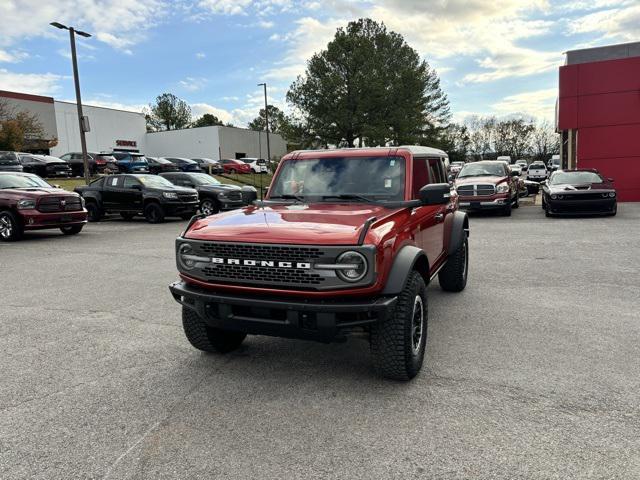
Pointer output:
x,y
11,136
168,113
369,86
207,120
21,129
456,141
277,120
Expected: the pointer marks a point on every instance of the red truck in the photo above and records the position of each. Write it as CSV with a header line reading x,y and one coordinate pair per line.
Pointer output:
x,y
488,185
345,243
27,202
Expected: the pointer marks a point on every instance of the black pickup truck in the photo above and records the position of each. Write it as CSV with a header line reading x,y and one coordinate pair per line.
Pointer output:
x,y
130,195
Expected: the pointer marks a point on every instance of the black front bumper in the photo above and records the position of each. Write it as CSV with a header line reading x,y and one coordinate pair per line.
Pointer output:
x,y
282,317
179,208
577,206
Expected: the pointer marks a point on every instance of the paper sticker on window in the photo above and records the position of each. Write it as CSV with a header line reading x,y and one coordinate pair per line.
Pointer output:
x,y
114,181
387,183
392,163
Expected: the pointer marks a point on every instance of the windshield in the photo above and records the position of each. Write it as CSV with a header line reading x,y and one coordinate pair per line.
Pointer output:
x,y
8,158
203,179
154,181
371,177
482,170
22,181
571,178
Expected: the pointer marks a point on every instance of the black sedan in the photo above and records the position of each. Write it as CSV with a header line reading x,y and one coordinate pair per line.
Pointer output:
x,y
159,165
184,164
214,196
44,166
578,191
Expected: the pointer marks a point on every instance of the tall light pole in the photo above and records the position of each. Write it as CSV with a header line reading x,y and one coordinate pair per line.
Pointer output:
x,y
84,125
266,122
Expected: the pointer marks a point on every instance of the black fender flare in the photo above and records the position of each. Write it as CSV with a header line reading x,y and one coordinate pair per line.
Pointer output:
x,y
459,231
92,197
409,258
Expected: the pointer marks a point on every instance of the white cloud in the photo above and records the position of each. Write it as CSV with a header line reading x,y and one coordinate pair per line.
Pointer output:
x,y
193,84
514,62
34,83
12,57
201,55
199,109
225,7
538,103
118,23
615,23
266,24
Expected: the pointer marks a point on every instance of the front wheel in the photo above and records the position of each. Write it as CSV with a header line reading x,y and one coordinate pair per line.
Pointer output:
x,y
453,276
94,214
153,213
71,229
206,338
399,341
209,207
10,227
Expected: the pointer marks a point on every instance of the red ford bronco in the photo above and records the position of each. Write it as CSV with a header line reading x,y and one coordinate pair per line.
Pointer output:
x,y
345,242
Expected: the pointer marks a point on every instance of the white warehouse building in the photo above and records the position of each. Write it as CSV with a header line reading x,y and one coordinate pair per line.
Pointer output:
x,y
112,129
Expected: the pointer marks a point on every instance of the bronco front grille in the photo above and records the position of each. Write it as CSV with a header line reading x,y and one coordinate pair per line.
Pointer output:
x,y
272,265
59,204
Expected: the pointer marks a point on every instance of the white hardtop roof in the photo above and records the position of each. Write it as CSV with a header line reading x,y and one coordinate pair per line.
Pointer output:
x,y
414,149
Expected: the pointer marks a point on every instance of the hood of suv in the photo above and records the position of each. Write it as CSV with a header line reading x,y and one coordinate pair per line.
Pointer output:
x,y
318,223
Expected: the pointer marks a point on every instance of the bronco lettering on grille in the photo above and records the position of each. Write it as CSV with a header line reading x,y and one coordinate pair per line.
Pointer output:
x,y
261,263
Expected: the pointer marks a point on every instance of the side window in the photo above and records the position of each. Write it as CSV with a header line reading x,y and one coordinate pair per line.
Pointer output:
x,y
420,176
65,157
114,182
436,173
130,182
76,156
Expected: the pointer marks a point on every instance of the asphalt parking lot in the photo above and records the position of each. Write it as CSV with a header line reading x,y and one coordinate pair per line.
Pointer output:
x,y
532,372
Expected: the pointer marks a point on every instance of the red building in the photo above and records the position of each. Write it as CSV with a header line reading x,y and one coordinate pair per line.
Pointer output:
x,y
599,114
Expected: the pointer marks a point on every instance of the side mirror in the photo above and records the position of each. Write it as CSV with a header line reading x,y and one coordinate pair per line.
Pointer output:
x,y
435,194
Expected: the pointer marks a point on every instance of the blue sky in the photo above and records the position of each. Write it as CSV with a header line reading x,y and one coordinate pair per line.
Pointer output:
x,y
494,57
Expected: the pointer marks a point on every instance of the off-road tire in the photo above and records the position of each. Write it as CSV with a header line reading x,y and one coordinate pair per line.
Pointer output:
x,y
71,229
94,214
208,339
11,220
392,345
127,215
453,276
154,213
209,207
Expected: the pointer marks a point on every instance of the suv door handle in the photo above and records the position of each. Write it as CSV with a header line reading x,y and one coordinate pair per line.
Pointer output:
x,y
439,217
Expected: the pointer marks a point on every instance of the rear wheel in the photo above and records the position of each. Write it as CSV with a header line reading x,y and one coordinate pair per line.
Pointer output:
x,y
453,276
398,342
153,213
206,338
10,227
209,207
94,214
71,229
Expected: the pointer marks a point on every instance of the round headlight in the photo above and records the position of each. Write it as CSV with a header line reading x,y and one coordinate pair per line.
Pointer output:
x,y
554,196
355,266
612,194
183,252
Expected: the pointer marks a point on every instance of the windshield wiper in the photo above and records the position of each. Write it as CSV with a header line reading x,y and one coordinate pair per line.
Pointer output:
x,y
287,196
351,196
